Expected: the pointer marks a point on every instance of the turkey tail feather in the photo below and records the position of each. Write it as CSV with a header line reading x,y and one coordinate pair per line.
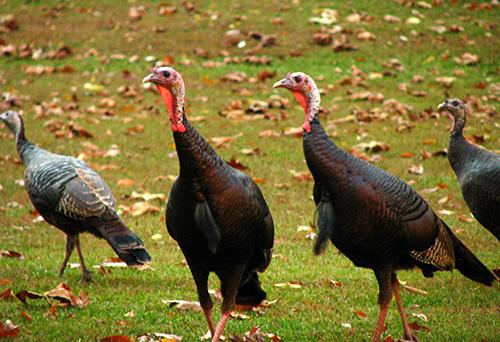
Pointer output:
x,y
325,223
126,244
469,265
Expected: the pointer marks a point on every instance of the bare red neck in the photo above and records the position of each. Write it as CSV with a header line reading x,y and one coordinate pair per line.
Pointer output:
x,y
175,107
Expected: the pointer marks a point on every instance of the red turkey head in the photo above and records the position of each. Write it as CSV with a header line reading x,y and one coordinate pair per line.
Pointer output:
x,y
306,92
171,87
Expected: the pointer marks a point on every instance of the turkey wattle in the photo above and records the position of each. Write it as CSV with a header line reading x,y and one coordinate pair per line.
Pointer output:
x,y
216,213
377,220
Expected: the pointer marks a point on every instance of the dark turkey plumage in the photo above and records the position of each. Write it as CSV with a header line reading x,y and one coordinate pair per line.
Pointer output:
x,y
216,213
477,170
72,197
375,219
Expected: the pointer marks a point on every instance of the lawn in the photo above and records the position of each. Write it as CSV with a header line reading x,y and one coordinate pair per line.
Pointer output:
x,y
75,71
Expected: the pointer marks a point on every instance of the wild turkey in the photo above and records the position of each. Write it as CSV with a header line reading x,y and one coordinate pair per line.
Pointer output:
x,y
72,197
216,213
477,170
375,219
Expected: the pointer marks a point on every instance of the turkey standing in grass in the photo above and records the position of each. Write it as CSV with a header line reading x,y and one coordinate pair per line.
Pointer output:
x,y
477,170
216,213
375,219
72,197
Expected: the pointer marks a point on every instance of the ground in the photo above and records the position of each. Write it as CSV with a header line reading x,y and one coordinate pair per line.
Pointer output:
x,y
69,84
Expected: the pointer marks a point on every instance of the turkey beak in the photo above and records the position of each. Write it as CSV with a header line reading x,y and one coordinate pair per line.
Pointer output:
x,y
442,106
152,77
284,83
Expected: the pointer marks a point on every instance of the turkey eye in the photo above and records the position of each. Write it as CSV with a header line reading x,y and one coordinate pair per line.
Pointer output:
x,y
166,74
455,103
297,79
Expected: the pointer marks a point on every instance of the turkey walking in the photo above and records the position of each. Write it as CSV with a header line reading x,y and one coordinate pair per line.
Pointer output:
x,y
73,197
377,220
477,170
216,213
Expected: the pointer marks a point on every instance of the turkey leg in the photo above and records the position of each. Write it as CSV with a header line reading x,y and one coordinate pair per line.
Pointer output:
x,y
70,246
408,334
86,273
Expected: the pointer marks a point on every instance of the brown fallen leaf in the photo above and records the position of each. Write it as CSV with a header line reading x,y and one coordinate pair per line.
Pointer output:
x,y
303,176
269,133
417,169
26,316
334,282
294,131
236,164
11,254
141,208
360,314
418,327
406,155
372,146
24,294
147,196
159,337
289,284
8,329
125,182
8,294
183,304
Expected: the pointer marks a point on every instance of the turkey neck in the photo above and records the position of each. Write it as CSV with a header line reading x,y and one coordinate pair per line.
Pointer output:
x,y
197,159
458,147
23,146
323,156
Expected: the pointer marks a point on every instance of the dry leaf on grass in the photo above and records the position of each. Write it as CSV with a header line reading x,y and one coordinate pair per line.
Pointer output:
x,y
303,176
183,304
289,284
11,254
8,294
147,196
372,146
416,169
8,329
61,293
159,337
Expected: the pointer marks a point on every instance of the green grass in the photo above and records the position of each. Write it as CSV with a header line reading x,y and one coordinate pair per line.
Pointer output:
x,y
457,309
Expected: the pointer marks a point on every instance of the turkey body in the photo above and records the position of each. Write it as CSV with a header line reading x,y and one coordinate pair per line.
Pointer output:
x,y
72,197
478,173
240,237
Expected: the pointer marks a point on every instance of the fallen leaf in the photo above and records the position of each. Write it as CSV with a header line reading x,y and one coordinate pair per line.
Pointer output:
x,y
147,196
8,294
183,304
418,327
24,294
141,208
372,146
159,337
416,169
467,59
8,329
236,164
360,314
302,176
26,316
294,131
11,254
421,316
125,182
290,284
334,282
